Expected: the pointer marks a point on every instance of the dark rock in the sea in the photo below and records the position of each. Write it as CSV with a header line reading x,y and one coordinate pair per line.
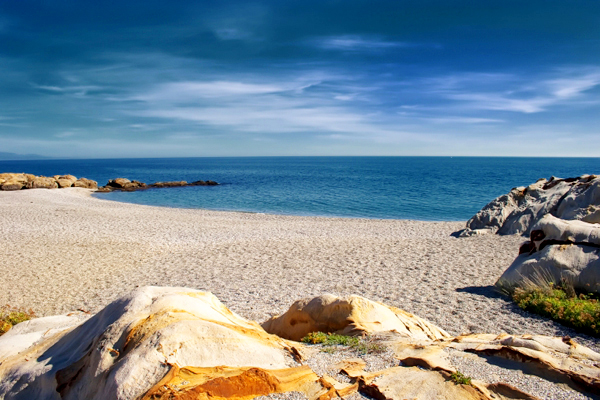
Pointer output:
x,y
169,184
118,183
123,184
203,183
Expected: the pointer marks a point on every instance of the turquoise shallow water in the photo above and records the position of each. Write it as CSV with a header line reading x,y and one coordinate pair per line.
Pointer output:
x,y
421,188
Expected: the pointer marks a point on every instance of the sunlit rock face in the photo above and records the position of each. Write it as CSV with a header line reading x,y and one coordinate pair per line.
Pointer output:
x,y
178,343
518,211
15,181
122,351
354,315
558,252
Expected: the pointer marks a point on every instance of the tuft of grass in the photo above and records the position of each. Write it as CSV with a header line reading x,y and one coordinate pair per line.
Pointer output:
x,y
315,338
330,340
581,312
10,316
460,379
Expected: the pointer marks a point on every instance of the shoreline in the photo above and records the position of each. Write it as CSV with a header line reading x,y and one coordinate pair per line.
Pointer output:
x,y
67,249
93,195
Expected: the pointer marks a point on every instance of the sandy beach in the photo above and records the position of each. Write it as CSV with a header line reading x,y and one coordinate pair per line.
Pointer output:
x,y
65,250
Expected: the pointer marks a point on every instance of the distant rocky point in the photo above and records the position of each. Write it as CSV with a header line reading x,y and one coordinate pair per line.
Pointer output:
x,y
18,181
125,184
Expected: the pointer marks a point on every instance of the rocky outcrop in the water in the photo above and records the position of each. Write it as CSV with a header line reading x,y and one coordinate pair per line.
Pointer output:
x,y
16,181
519,210
177,343
559,252
124,184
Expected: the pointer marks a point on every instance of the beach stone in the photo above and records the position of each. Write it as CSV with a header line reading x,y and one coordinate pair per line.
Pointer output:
x,y
520,209
85,183
64,183
12,184
118,182
42,182
169,184
559,251
13,181
353,315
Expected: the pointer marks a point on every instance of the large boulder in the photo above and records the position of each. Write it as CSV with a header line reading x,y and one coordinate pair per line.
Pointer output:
x,y
124,184
517,211
559,251
12,181
42,182
154,335
349,316
85,183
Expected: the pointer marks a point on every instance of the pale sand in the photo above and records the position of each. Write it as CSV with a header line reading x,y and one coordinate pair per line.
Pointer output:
x,y
63,250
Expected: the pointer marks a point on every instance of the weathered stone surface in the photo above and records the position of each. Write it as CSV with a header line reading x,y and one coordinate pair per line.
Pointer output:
x,y
118,182
555,358
135,342
85,183
67,177
203,183
517,211
42,182
126,185
559,251
349,316
64,183
13,181
177,343
169,184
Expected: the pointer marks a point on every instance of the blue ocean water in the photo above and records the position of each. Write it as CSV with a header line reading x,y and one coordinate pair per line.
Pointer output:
x,y
420,188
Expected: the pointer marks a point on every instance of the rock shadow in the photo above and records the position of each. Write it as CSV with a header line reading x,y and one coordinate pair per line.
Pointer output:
x,y
489,291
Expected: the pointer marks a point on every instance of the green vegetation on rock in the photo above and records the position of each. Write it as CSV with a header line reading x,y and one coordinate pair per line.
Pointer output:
x,y
360,345
10,316
563,305
458,378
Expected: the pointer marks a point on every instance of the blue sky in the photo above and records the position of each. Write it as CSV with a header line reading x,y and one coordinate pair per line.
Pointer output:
x,y
241,78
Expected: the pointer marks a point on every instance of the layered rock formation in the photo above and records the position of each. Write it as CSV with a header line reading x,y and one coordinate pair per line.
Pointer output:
x,y
124,184
559,251
519,210
167,343
15,181
354,315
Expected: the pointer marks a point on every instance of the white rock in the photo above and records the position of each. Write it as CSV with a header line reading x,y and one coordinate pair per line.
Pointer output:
x,y
517,211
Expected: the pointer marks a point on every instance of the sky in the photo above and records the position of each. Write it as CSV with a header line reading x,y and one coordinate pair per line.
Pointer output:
x,y
104,79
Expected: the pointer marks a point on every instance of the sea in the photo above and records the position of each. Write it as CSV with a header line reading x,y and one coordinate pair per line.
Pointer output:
x,y
416,188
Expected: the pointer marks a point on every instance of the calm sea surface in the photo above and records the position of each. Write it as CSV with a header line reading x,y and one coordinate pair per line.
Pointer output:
x,y
421,188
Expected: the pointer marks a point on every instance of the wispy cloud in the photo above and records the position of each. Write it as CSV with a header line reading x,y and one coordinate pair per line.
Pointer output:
x,y
355,43
183,91
504,92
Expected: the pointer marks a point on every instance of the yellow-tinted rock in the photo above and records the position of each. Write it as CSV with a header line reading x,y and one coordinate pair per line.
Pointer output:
x,y
349,316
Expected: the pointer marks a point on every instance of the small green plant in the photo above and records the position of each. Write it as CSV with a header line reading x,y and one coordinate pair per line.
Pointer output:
x,y
581,312
460,379
360,345
10,316
315,338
